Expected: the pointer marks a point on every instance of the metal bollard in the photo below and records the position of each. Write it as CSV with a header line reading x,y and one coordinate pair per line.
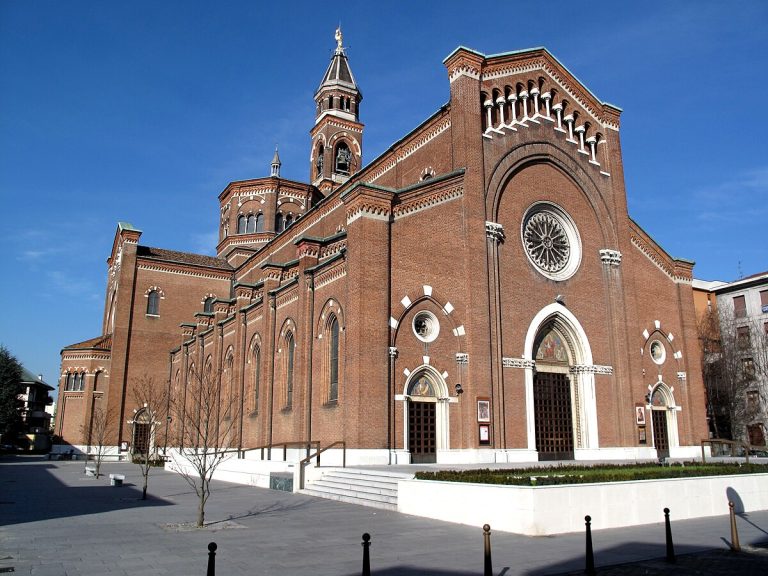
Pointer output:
x,y
735,546
590,567
366,554
670,546
487,564
211,559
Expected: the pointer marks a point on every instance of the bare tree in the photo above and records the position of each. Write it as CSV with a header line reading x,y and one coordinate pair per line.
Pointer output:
x,y
149,417
95,434
206,424
735,369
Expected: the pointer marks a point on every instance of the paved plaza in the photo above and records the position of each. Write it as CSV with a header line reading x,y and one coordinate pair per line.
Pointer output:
x,y
55,521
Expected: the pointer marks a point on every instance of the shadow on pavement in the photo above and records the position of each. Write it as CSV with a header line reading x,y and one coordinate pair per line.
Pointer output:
x,y
32,492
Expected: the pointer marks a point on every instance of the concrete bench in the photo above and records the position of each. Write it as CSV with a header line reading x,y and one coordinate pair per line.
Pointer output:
x,y
116,479
90,471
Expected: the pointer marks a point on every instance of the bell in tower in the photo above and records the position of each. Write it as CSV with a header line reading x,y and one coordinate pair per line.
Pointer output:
x,y
337,137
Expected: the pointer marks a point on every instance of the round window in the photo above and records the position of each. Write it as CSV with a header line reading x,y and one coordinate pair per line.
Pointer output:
x,y
425,326
551,241
658,352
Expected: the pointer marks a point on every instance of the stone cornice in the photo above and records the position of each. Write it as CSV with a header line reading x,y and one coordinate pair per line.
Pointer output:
x,y
184,270
677,270
424,201
366,201
518,363
403,150
590,369
331,274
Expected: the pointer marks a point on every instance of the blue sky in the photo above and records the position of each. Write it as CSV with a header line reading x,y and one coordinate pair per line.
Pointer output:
x,y
144,111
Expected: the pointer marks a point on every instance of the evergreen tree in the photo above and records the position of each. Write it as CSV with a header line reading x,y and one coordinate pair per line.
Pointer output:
x,y
10,380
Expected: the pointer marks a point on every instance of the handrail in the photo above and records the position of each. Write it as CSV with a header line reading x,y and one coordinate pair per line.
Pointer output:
x,y
306,460
732,443
306,443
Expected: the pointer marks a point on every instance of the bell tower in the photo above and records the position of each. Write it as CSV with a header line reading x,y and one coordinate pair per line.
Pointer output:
x,y
337,137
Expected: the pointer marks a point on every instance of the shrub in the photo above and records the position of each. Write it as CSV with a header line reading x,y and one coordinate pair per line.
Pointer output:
x,y
588,474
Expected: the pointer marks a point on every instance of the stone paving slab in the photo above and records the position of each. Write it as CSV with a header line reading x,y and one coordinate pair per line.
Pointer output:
x,y
54,521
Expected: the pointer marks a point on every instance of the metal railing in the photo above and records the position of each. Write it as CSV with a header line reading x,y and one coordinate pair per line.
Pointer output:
x,y
736,448
309,458
308,444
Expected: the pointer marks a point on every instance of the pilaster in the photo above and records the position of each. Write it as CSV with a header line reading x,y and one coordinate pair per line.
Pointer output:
x,y
366,396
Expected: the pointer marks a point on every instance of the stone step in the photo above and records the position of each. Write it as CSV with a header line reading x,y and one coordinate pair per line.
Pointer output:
x,y
372,474
384,503
344,486
373,488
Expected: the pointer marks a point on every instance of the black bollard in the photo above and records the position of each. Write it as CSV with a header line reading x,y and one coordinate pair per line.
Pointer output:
x,y
590,568
211,559
487,565
735,546
670,546
366,554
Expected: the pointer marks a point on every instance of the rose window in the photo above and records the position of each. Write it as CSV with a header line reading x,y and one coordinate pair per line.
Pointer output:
x,y
551,241
546,242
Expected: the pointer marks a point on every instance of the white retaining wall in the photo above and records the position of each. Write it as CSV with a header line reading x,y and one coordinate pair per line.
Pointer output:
x,y
542,510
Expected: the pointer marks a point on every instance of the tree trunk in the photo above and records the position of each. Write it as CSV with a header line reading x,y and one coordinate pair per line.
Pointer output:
x,y
201,513
144,489
203,497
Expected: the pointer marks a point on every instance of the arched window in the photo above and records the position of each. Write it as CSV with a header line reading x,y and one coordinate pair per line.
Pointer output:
x,y
153,303
333,360
79,384
96,381
241,224
320,160
330,102
288,220
250,226
290,345
68,382
208,305
230,368
256,376
279,224
260,222
342,159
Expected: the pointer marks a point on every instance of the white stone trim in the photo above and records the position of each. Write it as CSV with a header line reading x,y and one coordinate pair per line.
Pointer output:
x,y
590,369
610,257
518,363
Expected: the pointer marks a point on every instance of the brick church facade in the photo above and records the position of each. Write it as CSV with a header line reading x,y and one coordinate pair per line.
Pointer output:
x,y
477,293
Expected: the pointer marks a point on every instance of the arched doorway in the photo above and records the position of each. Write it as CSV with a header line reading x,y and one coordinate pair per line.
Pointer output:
x,y
426,416
561,408
552,397
663,420
142,433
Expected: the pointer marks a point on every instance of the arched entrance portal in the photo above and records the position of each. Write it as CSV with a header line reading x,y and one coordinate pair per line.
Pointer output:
x,y
552,397
561,408
427,416
142,433
663,420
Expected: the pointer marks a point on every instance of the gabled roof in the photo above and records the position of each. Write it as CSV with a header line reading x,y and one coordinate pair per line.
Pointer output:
x,y
28,378
160,254
99,343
